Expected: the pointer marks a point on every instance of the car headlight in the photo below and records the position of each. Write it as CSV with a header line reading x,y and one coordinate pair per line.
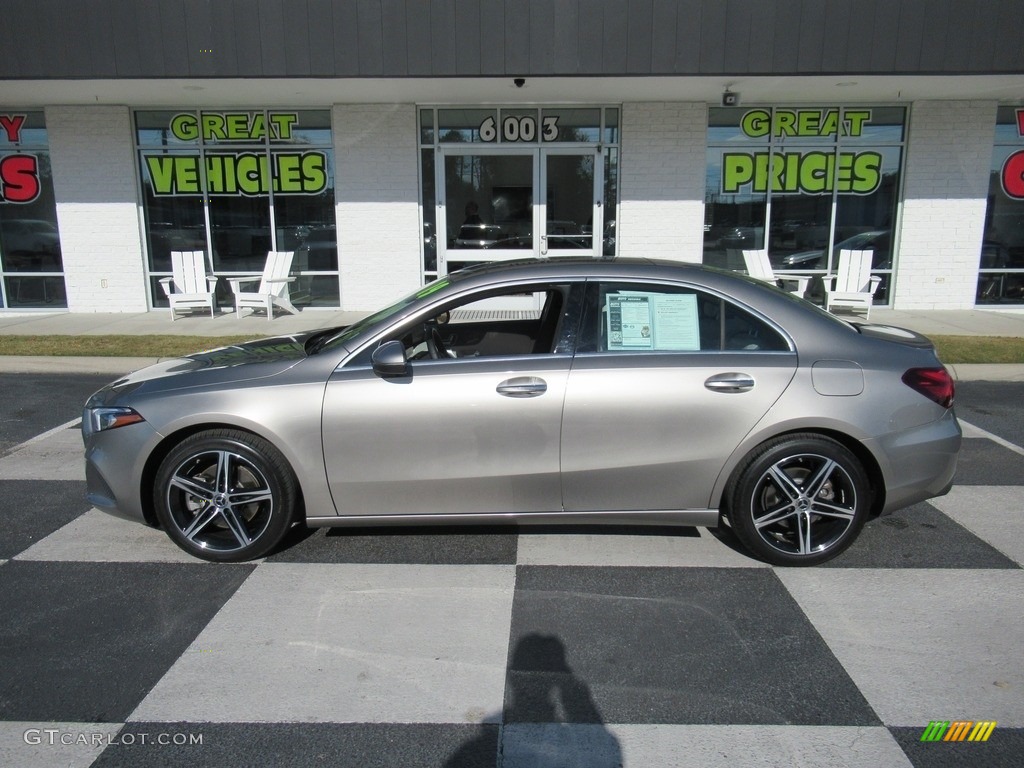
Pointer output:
x,y
112,417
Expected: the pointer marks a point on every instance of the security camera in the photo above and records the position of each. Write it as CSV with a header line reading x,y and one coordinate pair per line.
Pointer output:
x,y
520,82
730,99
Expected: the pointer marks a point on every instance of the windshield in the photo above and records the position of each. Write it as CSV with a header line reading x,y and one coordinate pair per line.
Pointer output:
x,y
332,342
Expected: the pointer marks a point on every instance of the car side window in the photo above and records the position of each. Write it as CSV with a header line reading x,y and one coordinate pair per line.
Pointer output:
x,y
637,317
525,320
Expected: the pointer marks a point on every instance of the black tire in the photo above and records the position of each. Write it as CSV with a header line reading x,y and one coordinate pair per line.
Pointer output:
x,y
225,495
798,500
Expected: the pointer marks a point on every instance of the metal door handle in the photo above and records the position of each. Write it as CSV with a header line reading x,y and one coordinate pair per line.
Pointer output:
x,y
730,382
523,386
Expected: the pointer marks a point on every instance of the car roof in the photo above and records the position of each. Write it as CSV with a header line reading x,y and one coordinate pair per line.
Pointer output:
x,y
576,266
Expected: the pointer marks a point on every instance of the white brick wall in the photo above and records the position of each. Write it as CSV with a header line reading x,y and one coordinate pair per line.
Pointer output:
x,y
377,197
949,152
661,214
97,213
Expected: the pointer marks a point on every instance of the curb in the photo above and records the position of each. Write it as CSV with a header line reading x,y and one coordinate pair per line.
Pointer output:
x,y
114,366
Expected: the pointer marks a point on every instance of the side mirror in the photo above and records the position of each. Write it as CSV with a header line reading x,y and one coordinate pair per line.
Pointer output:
x,y
389,360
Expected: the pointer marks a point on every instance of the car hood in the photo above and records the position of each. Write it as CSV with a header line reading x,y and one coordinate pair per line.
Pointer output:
x,y
239,362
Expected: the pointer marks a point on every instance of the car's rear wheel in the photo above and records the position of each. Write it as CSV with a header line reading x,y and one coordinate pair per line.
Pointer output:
x,y
799,500
225,495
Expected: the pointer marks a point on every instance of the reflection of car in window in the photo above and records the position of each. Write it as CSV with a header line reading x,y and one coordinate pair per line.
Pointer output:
x,y
318,250
876,240
29,236
478,236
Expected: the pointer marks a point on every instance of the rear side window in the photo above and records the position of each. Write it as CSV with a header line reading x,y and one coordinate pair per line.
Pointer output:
x,y
638,317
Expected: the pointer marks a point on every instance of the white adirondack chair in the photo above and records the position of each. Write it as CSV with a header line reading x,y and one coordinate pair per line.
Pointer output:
x,y
853,286
190,286
273,286
760,268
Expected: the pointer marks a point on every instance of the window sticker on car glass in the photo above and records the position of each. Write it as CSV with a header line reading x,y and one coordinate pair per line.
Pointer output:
x,y
652,321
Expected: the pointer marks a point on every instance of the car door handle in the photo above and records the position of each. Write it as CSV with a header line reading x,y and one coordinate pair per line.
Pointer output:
x,y
730,382
523,386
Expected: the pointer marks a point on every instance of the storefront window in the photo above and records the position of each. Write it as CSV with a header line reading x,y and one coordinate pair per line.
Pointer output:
x,y
803,183
31,266
1001,262
237,184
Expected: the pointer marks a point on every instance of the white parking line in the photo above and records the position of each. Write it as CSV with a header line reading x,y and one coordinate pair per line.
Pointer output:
x,y
49,433
972,431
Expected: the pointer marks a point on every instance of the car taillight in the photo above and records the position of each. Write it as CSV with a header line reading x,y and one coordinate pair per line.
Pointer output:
x,y
934,383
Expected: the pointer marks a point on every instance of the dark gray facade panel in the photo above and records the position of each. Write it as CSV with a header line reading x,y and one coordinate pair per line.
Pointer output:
x,y
296,47
811,36
443,39
321,38
517,37
614,32
369,27
468,36
934,31
146,23
1006,43
838,16
242,41
688,26
417,30
206,43
565,35
492,39
272,41
124,26
908,53
591,33
472,38
715,49
761,44
99,56
346,37
785,51
639,35
663,35
172,29
542,37
885,39
984,31
394,41
737,33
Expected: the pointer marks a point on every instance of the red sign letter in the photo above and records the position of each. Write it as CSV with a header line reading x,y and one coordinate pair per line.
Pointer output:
x,y
19,179
12,126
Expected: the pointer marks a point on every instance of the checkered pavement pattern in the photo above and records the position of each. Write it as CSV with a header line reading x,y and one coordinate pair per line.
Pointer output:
x,y
504,647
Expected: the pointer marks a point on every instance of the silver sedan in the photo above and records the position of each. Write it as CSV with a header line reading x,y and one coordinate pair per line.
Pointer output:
x,y
572,391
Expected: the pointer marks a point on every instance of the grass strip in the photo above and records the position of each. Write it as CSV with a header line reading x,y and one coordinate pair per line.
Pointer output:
x,y
960,350
112,346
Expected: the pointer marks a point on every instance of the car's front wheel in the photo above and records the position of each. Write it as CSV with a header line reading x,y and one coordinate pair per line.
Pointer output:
x,y
225,495
798,500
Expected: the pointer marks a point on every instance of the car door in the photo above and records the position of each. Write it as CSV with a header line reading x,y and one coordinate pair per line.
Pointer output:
x,y
666,383
478,433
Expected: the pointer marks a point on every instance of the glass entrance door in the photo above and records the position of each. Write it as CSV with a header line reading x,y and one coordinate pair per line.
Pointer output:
x,y
570,179
505,203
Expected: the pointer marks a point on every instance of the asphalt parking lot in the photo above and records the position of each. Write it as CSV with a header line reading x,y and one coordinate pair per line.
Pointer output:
x,y
496,647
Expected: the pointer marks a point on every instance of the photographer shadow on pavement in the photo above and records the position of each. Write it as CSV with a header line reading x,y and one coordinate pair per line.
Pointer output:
x,y
550,718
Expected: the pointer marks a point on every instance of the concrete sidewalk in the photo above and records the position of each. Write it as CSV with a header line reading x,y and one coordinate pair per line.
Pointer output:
x,y
971,322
